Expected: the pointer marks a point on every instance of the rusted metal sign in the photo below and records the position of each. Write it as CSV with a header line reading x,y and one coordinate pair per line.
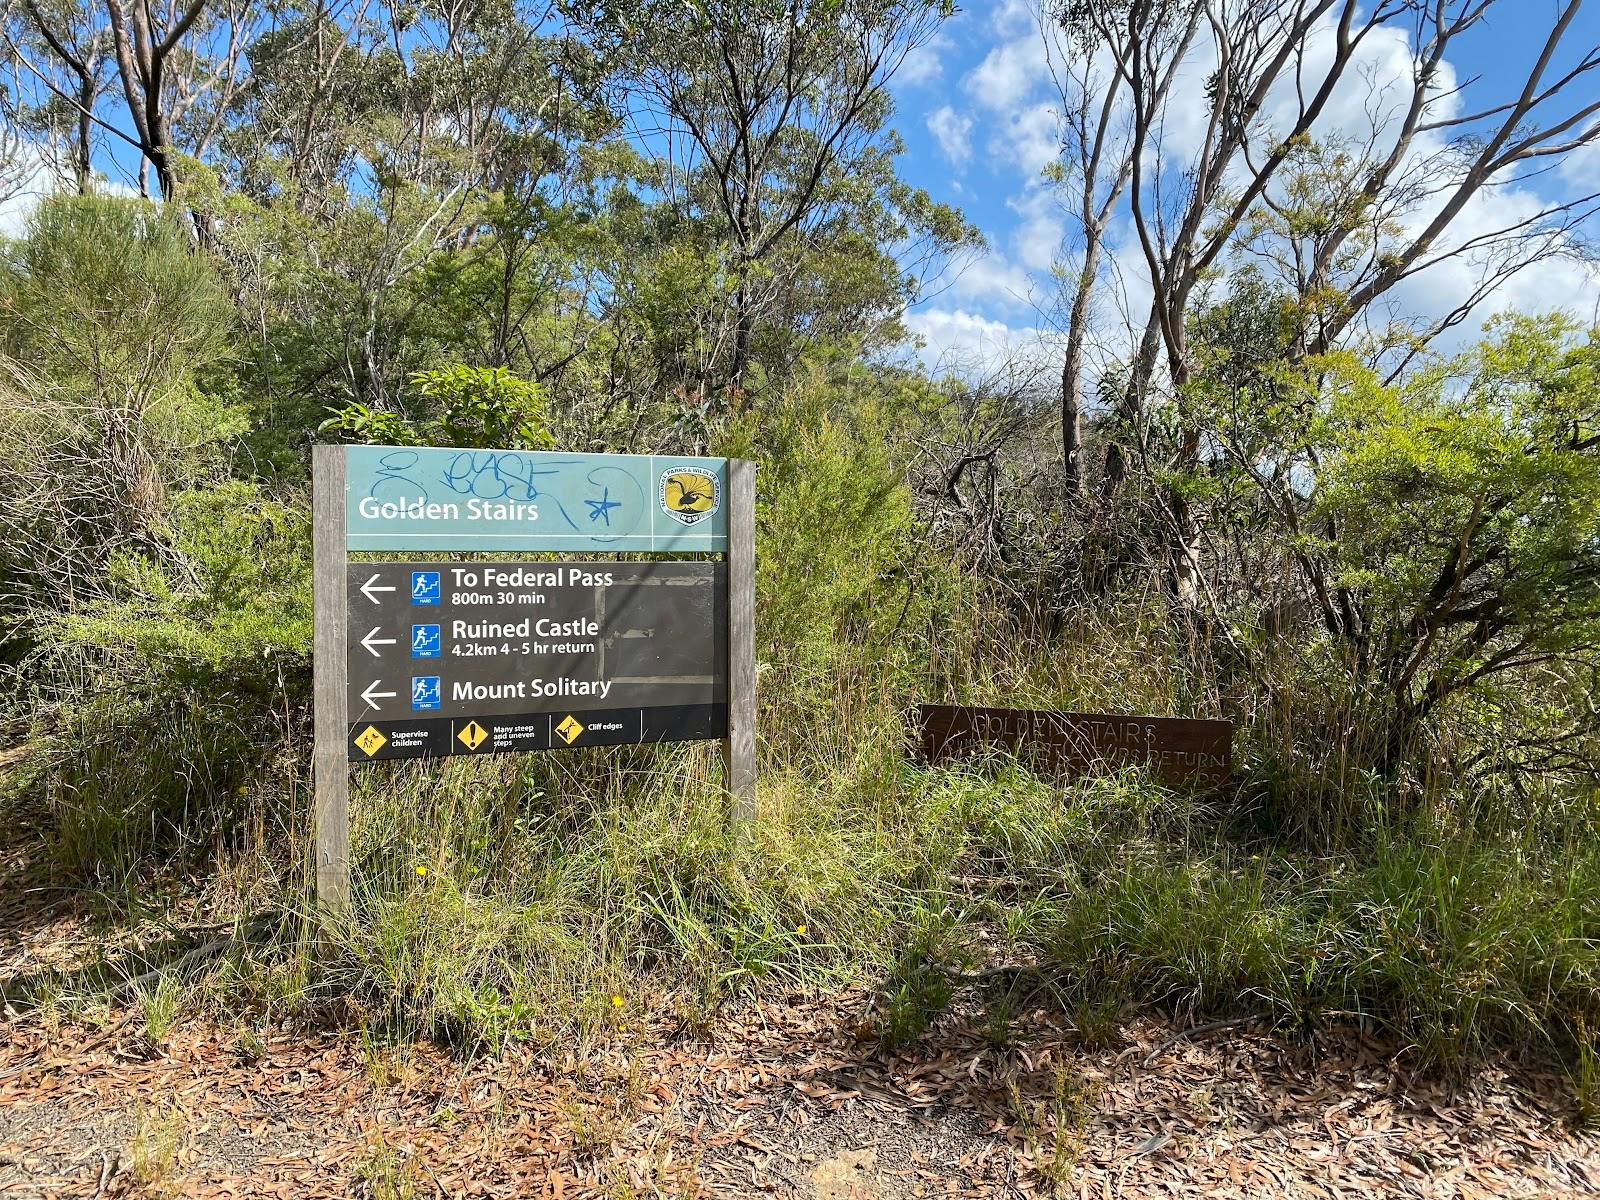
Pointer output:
x,y
1181,753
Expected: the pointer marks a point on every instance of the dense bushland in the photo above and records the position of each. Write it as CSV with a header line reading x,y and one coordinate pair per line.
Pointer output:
x,y
1381,559
513,899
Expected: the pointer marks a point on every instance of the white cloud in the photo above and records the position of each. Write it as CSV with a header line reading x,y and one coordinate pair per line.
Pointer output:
x,y
1038,238
1014,19
33,174
1564,283
14,210
925,64
959,342
996,283
28,177
953,132
1014,87
1029,139
1581,169
1012,121
1008,75
1372,95
1366,107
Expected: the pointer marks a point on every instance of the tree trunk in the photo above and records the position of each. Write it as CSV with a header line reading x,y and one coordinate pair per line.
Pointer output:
x,y
1183,568
1130,408
1398,739
1072,425
81,169
161,160
142,52
1183,551
1072,381
86,66
743,337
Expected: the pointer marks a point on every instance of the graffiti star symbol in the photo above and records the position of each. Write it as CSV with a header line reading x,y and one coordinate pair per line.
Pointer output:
x,y
600,510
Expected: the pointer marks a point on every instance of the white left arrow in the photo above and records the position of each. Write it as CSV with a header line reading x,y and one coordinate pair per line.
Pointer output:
x,y
368,588
372,639
372,697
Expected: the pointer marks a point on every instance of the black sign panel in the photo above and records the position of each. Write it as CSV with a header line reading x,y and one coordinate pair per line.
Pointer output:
x,y
477,658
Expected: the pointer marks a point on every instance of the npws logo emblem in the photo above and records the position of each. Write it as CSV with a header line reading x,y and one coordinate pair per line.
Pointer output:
x,y
689,494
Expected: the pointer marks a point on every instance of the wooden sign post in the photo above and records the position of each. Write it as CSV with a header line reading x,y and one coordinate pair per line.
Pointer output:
x,y
330,775
470,656
739,747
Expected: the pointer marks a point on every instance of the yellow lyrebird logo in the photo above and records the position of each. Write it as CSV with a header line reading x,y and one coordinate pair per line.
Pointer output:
x,y
689,494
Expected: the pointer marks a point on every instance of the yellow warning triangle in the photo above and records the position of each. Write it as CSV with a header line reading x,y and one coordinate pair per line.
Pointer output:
x,y
472,736
371,741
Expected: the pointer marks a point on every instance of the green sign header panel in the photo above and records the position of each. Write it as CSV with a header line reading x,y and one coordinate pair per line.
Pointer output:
x,y
418,498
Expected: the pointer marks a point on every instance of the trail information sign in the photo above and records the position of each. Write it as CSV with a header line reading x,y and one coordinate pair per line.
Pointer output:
x,y
480,657
428,658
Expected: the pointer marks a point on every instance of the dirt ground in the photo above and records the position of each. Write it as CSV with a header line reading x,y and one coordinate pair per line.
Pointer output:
x,y
793,1098
790,1100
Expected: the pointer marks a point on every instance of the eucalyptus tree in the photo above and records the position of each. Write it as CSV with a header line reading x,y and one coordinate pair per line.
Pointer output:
x,y
761,112
1097,160
58,56
1269,74
425,156
171,68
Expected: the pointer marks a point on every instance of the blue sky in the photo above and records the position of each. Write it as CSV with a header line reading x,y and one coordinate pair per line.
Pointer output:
x,y
974,110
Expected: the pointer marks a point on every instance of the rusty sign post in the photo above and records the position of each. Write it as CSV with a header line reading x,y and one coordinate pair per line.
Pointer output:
x,y
1181,753
426,658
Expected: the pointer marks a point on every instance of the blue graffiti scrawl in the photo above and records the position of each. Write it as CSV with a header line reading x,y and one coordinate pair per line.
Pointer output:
x,y
402,498
600,510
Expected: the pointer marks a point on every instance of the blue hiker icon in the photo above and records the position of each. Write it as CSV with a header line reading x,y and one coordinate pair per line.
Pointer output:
x,y
424,587
425,641
424,692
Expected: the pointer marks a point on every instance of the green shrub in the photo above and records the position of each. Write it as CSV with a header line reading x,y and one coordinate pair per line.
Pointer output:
x,y
850,600
176,699
480,407
108,324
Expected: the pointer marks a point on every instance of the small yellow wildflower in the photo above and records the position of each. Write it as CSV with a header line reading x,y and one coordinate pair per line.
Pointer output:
x,y
616,1002
801,930
422,872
